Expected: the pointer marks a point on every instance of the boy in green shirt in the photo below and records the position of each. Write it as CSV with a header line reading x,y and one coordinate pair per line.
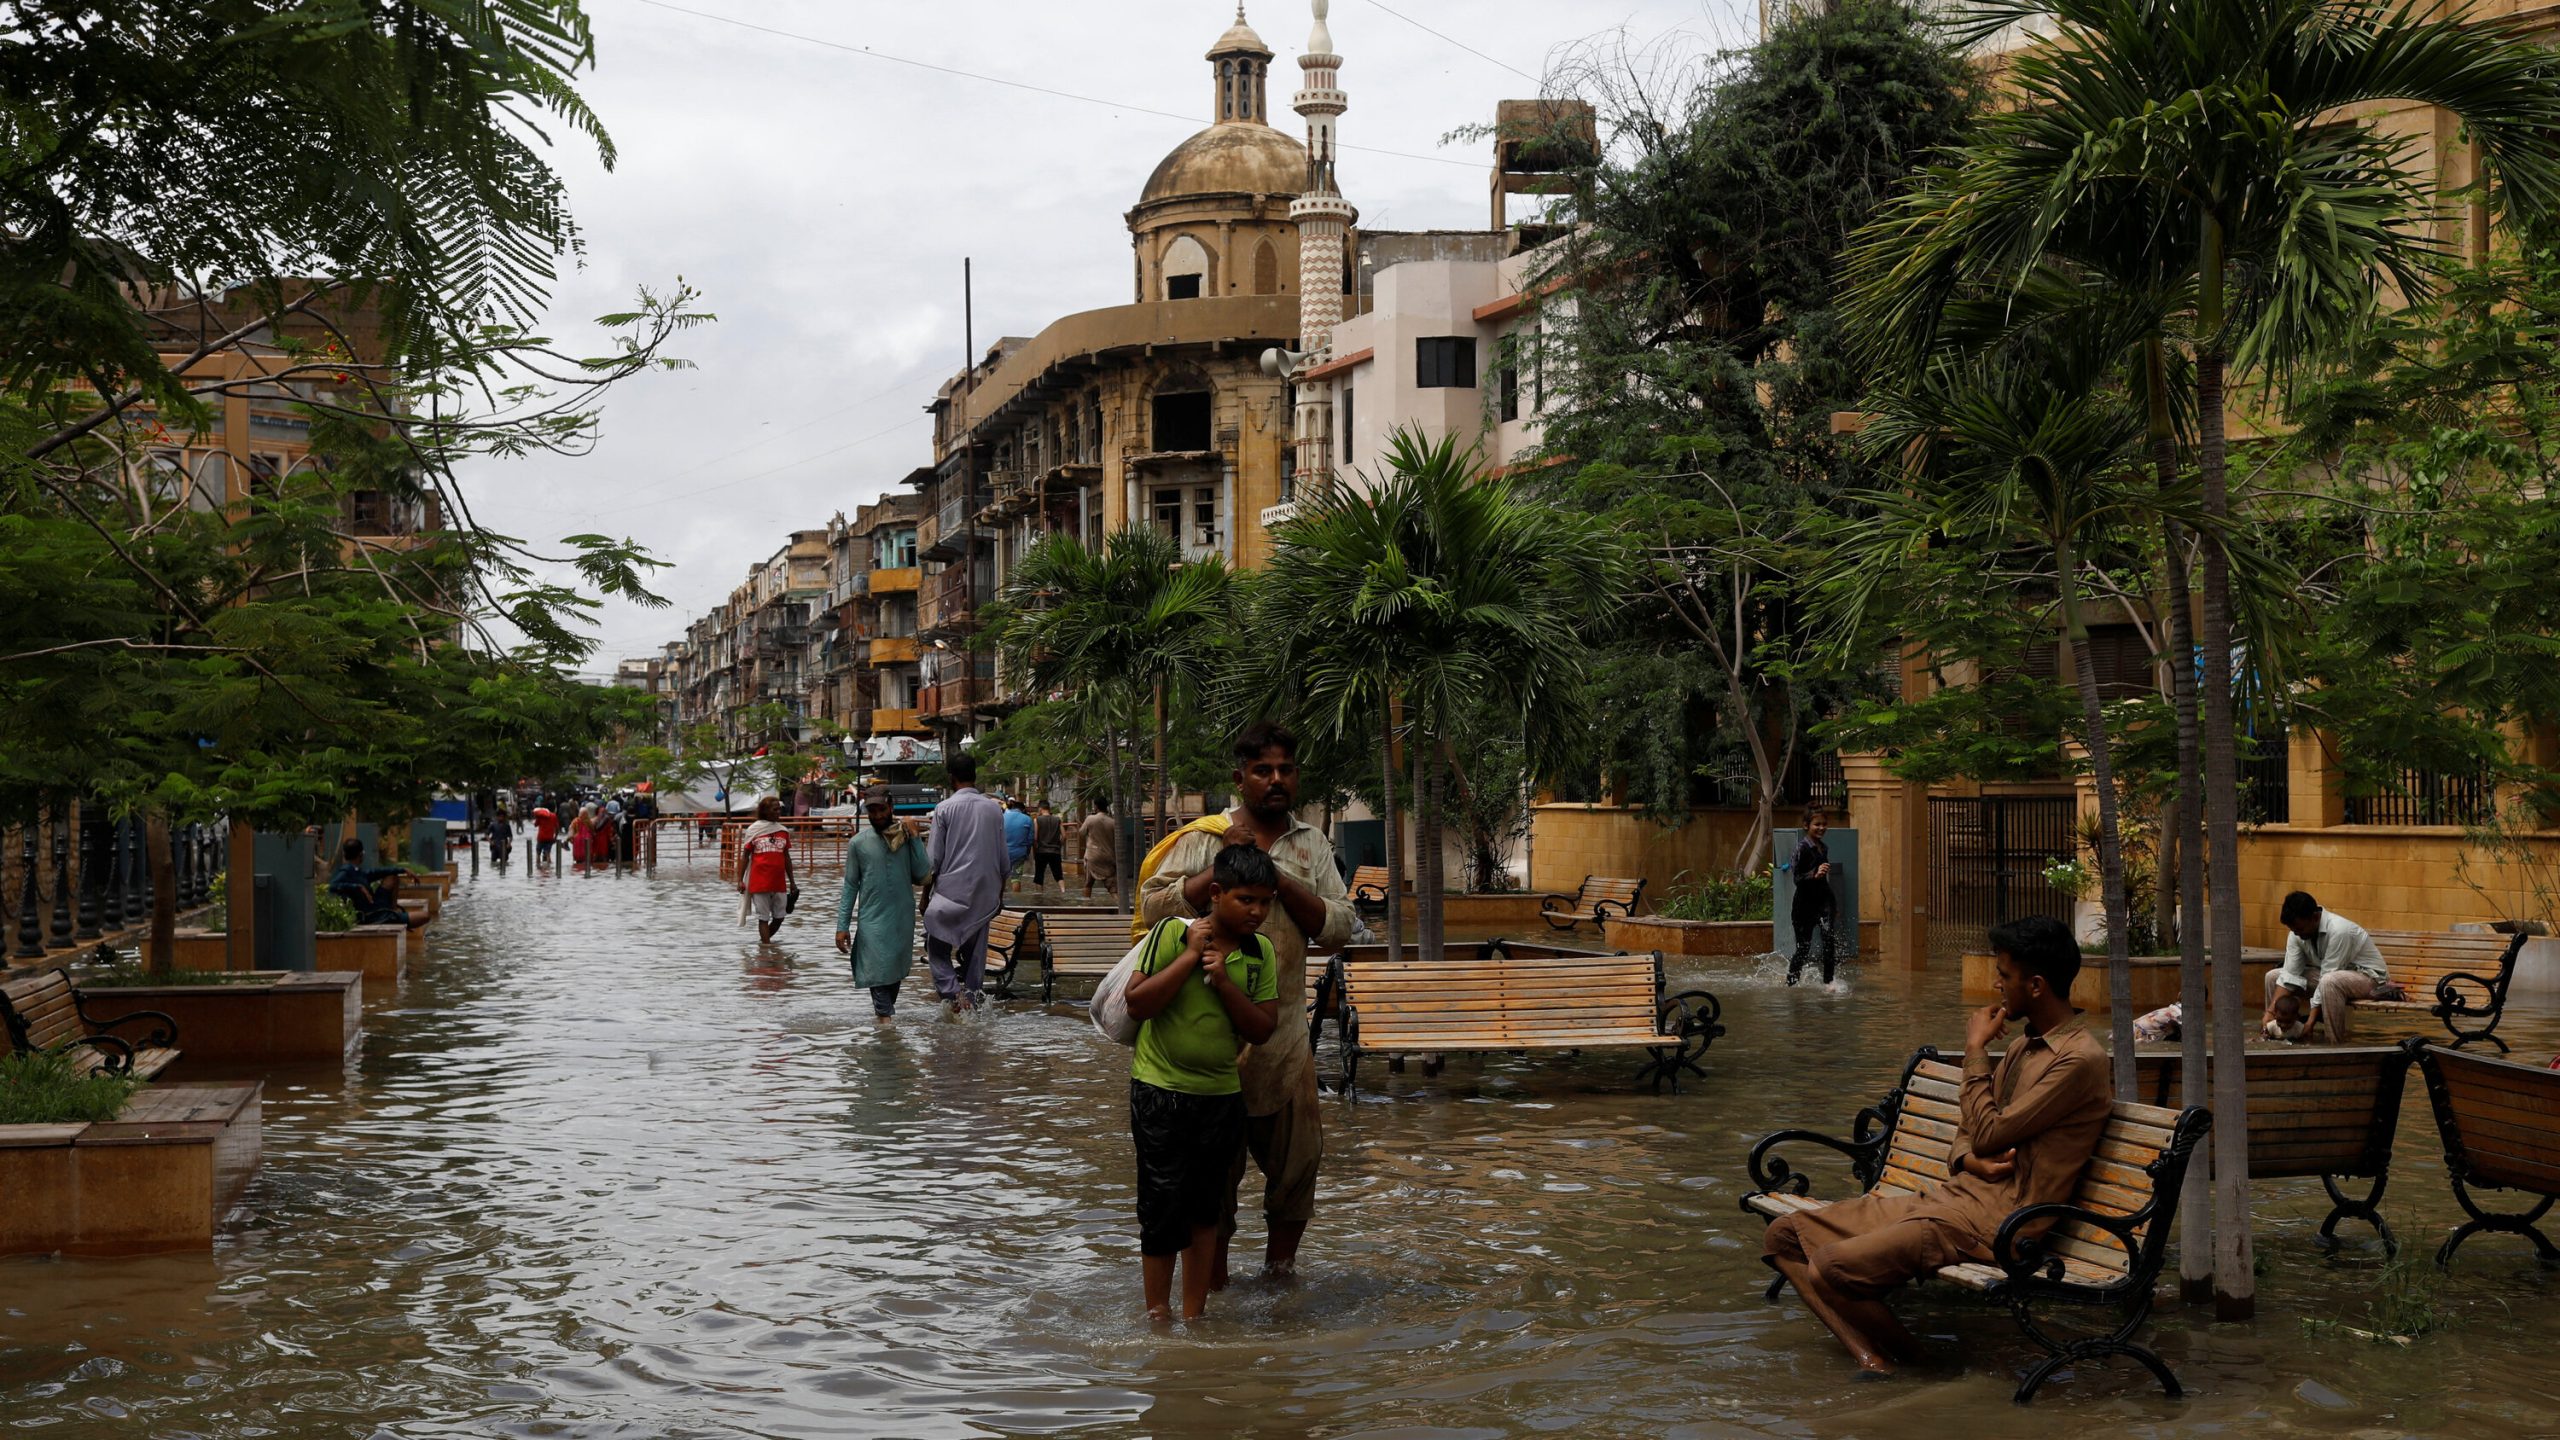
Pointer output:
x,y
1200,995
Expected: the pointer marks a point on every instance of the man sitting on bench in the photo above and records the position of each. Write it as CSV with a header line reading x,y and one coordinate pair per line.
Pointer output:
x,y
2329,964
374,893
2027,1130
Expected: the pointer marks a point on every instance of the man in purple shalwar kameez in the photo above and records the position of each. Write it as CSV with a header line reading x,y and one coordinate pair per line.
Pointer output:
x,y
967,848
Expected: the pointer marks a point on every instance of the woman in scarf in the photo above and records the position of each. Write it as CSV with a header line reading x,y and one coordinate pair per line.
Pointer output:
x,y
582,833
764,871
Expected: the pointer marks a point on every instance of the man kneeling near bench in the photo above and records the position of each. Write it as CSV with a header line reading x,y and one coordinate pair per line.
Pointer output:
x,y
2029,1127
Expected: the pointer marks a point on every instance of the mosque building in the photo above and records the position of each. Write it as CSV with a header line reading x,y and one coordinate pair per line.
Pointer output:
x,y
1163,411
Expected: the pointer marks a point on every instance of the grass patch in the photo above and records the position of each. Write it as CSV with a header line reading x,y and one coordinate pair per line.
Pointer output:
x,y
48,1089
2407,1305
1717,897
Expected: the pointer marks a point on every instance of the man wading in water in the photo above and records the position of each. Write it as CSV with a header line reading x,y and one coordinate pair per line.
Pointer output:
x,y
1283,1130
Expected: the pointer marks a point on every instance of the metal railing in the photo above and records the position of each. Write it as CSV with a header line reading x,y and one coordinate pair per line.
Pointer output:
x,y
72,876
2417,796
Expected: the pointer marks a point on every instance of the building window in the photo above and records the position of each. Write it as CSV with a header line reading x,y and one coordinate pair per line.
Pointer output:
x,y
1168,510
1182,287
1444,362
1266,269
1510,392
1345,447
1204,515
1182,421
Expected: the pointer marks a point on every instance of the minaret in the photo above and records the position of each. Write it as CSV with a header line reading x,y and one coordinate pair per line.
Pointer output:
x,y
1324,218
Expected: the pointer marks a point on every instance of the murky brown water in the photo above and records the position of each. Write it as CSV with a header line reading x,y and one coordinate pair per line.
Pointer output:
x,y
604,1170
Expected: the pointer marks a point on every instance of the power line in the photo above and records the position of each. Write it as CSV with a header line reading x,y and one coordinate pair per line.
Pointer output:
x,y
1025,84
1461,44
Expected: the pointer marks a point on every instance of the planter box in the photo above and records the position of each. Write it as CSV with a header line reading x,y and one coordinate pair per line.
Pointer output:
x,y
413,890
2155,981
154,1179
1511,913
377,952
286,1018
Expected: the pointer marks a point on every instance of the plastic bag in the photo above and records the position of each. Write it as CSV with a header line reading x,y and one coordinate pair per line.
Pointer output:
x,y
1110,1008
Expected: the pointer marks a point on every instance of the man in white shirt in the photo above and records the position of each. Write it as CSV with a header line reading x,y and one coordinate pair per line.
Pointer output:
x,y
2329,963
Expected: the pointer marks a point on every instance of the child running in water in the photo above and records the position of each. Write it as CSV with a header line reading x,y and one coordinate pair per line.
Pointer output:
x,y
1816,910
1202,993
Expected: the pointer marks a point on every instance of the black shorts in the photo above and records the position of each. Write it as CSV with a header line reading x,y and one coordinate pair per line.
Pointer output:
x,y
1187,1146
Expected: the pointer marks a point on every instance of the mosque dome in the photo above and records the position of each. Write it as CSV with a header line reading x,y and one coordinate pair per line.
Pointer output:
x,y
1230,158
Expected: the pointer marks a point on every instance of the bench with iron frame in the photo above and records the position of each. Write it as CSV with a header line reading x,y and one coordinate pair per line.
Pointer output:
x,y
1006,948
2443,973
1079,944
2500,1123
2314,1110
1600,897
1506,1002
2102,1249
44,1015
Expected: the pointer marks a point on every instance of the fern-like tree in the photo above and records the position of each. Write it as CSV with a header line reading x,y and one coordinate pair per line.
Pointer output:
x,y
1123,633
2222,136
1442,591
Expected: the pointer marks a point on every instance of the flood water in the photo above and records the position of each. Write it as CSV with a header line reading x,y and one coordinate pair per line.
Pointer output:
x,y
605,1169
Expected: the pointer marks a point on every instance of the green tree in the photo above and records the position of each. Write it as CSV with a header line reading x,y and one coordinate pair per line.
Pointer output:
x,y
2213,126
1447,592
1126,634
1691,363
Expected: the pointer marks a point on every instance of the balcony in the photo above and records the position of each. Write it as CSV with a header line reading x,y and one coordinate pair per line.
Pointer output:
x,y
895,582
892,721
944,605
894,650
1010,492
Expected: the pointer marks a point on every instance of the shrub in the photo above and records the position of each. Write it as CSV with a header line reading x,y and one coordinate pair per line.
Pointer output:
x,y
1717,897
47,1088
335,914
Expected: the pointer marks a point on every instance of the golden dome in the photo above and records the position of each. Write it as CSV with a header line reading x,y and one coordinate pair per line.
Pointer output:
x,y
1237,157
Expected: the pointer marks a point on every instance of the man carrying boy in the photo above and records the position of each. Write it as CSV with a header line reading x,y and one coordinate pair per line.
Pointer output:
x,y
2026,1130
1202,991
1283,1129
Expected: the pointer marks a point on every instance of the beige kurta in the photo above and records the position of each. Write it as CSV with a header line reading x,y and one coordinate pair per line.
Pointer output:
x,y
1285,1064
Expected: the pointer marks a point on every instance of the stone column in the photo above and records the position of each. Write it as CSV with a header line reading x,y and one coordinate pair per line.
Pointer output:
x,y
1891,816
2313,800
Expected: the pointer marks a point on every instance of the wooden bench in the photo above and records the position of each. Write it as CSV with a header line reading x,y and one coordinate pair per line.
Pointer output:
x,y
2103,1248
2455,976
44,1013
2327,1111
2500,1121
1005,949
1600,897
1369,890
1079,945
1438,1007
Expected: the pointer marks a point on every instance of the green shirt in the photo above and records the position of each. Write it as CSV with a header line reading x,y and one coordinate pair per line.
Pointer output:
x,y
1191,1044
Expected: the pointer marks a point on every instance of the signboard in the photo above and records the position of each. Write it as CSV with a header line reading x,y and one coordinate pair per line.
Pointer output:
x,y
900,750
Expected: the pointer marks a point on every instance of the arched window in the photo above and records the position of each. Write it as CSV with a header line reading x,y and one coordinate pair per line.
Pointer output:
x,y
1185,268
1266,269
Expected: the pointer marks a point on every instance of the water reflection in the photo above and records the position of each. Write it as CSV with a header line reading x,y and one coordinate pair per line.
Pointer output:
x,y
606,1167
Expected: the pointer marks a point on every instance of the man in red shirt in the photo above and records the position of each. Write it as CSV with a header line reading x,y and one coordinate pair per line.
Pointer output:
x,y
546,833
764,870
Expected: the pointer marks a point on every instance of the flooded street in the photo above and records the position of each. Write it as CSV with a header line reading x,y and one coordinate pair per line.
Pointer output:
x,y
603,1168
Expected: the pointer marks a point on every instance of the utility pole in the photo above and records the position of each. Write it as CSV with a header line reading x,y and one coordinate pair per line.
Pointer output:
x,y
968,497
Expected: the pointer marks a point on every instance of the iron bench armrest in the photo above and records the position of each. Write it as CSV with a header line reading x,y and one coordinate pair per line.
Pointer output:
x,y
2451,1001
2029,1263
1866,1150
166,1035
1600,908
119,1051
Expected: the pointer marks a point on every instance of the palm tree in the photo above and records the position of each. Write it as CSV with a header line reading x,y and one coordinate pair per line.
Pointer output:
x,y
2026,445
2207,136
1116,630
1446,591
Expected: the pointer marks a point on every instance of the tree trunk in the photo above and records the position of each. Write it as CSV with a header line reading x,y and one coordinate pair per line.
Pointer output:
x,y
160,954
1164,782
1395,841
1429,862
2234,1277
2102,772
2180,837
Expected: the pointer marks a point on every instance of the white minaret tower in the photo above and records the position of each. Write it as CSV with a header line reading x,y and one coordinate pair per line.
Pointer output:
x,y
1324,218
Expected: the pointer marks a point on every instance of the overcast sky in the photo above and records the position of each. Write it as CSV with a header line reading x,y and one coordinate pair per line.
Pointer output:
x,y
822,197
